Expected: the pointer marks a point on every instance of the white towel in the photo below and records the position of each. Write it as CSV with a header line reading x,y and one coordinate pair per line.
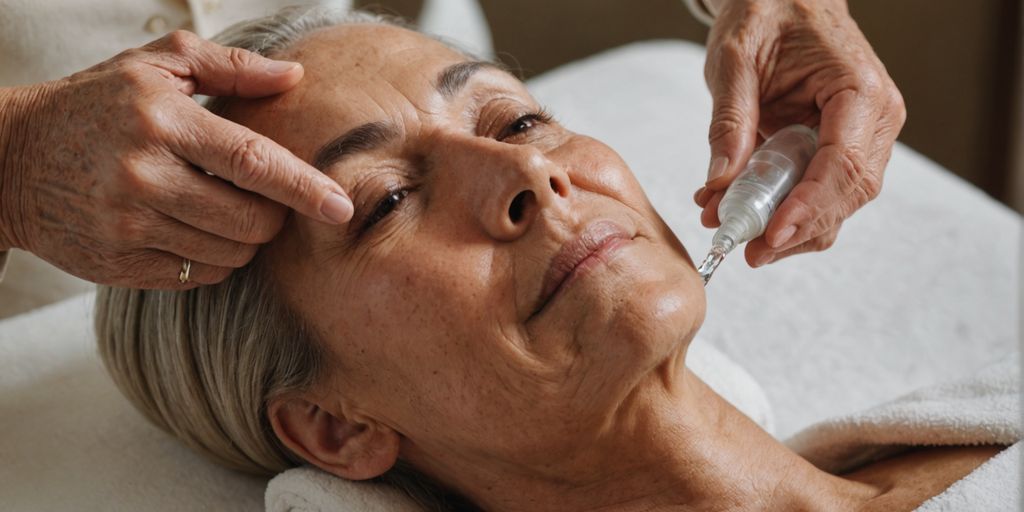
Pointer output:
x,y
983,409
309,489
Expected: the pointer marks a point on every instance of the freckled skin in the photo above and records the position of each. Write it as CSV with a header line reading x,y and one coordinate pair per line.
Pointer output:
x,y
428,315
431,306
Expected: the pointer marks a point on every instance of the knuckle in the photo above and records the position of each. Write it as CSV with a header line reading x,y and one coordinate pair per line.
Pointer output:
x,y
733,50
852,165
180,42
869,82
240,58
723,56
150,119
870,187
123,188
727,120
897,106
133,74
825,241
250,159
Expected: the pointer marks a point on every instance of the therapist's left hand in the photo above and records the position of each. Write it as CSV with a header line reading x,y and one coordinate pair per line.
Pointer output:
x,y
772,63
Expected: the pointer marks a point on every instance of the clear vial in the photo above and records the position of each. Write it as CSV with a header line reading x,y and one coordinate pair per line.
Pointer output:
x,y
771,173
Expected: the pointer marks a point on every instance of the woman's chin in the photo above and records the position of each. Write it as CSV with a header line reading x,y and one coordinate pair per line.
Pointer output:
x,y
644,313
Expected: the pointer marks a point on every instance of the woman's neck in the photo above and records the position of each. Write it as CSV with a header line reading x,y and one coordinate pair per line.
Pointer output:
x,y
683,448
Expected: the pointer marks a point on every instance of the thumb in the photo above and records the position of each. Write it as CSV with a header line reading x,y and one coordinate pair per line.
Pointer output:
x,y
733,132
226,71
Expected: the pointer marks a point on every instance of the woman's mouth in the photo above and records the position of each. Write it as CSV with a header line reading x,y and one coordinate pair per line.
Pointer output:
x,y
592,247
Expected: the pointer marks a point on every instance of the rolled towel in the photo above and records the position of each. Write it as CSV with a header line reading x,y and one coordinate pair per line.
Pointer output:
x,y
983,409
308,489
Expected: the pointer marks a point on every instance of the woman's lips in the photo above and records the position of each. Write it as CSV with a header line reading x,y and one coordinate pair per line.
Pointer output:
x,y
589,248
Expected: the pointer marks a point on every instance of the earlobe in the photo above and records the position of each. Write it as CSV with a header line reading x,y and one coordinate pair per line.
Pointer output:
x,y
356,449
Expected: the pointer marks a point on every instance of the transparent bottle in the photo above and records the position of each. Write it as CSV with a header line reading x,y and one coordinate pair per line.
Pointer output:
x,y
771,173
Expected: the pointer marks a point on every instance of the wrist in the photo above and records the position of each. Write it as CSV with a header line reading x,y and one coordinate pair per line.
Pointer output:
x,y
16,111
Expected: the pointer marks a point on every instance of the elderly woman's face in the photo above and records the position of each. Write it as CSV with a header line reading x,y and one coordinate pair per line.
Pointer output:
x,y
504,284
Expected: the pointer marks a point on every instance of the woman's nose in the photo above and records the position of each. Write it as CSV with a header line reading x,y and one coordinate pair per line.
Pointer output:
x,y
509,186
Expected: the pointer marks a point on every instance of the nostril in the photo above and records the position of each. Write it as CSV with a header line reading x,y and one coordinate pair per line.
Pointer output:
x,y
517,209
557,187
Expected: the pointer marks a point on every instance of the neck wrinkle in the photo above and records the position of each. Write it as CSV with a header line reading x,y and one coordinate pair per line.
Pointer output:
x,y
686,449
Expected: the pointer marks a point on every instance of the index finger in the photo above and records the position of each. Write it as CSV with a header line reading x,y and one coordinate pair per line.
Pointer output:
x,y
258,164
838,168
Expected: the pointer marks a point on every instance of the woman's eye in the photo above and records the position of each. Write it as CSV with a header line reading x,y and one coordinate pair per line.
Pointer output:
x,y
524,124
385,206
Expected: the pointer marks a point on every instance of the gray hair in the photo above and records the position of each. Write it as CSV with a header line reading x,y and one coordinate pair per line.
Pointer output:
x,y
203,364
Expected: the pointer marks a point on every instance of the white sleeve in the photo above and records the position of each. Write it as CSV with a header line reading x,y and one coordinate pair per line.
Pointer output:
x,y
700,11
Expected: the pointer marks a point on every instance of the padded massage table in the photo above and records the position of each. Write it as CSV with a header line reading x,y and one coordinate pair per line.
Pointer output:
x,y
921,286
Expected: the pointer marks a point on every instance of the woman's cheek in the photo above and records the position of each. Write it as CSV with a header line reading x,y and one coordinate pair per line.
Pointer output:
x,y
595,167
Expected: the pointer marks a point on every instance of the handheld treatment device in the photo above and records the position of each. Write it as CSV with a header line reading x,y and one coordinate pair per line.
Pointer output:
x,y
771,173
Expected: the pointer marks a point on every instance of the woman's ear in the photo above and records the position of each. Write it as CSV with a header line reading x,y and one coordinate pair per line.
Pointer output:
x,y
356,449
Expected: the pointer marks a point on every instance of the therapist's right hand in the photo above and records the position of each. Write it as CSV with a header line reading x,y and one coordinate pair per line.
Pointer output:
x,y
102,172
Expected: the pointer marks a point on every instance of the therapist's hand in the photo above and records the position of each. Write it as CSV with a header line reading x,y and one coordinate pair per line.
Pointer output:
x,y
772,63
102,172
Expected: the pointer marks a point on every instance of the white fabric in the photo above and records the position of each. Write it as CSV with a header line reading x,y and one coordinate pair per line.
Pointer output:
x,y
983,409
460,21
309,489
887,310
42,41
993,487
69,441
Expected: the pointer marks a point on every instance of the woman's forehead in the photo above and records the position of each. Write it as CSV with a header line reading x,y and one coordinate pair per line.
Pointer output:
x,y
352,74
356,56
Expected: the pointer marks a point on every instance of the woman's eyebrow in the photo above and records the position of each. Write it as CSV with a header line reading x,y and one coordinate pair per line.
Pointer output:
x,y
453,78
365,137
370,136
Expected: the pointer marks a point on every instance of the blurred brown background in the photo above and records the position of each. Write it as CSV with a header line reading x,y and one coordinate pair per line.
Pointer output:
x,y
958,64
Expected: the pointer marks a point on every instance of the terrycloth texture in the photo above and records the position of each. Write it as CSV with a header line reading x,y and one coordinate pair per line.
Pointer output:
x,y
823,334
69,441
981,409
993,487
309,489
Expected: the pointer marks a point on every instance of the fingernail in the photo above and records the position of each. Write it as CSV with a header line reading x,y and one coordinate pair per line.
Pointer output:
x,y
337,208
279,67
717,167
783,237
763,260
